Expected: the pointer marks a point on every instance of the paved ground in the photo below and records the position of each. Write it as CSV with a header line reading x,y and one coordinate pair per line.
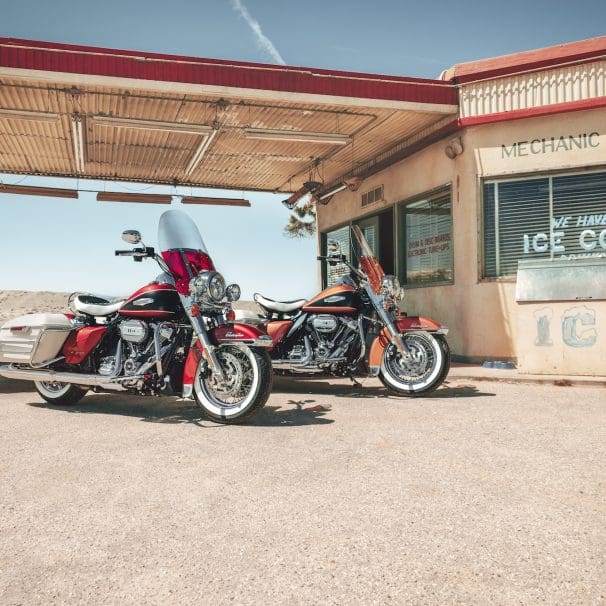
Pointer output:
x,y
486,493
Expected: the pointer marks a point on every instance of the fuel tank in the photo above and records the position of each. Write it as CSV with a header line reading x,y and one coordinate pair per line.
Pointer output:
x,y
160,301
339,299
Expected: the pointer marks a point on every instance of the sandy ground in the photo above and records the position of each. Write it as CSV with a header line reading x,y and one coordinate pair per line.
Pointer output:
x,y
491,493
15,303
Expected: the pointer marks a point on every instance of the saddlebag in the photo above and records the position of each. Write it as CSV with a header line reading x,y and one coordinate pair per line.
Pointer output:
x,y
33,339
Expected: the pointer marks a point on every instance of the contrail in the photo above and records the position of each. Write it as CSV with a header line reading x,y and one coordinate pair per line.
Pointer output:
x,y
262,40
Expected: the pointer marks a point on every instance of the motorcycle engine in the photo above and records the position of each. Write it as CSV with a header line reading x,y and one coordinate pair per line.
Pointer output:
x,y
325,324
333,336
134,331
139,351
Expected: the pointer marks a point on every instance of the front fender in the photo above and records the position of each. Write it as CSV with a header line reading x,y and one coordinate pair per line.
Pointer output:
x,y
226,333
404,324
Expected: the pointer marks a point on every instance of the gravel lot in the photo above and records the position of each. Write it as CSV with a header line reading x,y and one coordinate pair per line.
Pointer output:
x,y
486,493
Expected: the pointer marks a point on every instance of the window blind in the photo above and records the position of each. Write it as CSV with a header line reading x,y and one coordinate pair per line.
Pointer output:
x,y
542,218
335,272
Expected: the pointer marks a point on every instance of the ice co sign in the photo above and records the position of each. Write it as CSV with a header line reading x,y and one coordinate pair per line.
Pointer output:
x,y
591,241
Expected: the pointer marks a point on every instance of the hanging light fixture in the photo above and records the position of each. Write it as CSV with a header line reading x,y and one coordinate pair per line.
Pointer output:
x,y
299,136
78,141
199,153
331,192
45,192
215,201
24,114
176,127
118,196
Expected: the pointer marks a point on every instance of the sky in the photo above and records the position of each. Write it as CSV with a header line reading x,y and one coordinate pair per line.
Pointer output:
x,y
66,245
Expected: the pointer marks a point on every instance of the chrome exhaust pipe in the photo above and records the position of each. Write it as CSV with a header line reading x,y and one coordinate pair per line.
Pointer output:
x,y
51,376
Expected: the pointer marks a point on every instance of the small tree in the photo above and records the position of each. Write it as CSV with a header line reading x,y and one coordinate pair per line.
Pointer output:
x,y
302,222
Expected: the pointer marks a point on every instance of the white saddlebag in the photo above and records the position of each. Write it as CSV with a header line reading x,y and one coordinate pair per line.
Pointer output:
x,y
33,339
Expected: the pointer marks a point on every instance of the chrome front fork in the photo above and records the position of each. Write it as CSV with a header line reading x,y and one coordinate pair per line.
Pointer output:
x,y
208,349
394,333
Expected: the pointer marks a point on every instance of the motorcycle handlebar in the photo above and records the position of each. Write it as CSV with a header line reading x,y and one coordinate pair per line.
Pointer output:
x,y
136,252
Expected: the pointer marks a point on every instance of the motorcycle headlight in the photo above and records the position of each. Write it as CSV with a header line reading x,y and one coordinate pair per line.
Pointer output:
x,y
390,287
233,292
216,287
197,285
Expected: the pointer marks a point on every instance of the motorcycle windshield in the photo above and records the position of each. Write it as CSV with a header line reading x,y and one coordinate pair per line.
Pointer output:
x,y
369,264
182,248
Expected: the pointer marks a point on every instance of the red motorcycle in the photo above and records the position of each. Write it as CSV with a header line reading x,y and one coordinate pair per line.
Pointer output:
x,y
173,336
355,328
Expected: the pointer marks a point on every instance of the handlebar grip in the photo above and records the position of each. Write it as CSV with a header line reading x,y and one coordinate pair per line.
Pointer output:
x,y
320,258
136,252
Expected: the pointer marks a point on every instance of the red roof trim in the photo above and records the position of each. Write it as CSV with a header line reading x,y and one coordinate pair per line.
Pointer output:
x,y
533,112
67,58
583,51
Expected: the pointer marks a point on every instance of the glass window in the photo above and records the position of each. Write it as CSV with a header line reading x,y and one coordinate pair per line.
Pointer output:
x,y
370,230
425,241
556,217
335,272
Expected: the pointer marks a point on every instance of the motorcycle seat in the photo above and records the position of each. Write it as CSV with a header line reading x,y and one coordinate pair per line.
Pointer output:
x,y
95,305
282,307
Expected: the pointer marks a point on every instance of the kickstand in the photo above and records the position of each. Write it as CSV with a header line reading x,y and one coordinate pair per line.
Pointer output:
x,y
355,383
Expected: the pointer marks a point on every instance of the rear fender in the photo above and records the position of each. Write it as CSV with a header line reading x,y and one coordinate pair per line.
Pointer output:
x,y
226,333
404,324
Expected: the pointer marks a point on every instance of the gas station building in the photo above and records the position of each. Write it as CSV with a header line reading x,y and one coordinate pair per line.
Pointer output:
x,y
484,190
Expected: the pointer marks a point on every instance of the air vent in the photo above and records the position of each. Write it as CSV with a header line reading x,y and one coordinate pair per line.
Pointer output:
x,y
372,196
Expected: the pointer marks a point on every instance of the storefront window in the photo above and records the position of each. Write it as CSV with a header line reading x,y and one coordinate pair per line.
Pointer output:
x,y
555,217
378,231
333,273
425,241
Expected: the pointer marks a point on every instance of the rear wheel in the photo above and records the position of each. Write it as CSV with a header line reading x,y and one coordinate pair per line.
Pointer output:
x,y
424,372
60,394
247,384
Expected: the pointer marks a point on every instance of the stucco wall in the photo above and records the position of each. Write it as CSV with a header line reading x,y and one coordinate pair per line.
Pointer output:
x,y
481,314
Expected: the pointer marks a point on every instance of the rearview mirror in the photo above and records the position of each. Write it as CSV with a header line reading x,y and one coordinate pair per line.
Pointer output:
x,y
132,236
333,247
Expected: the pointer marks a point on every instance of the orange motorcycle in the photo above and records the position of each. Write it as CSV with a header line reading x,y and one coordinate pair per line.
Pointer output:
x,y
355,328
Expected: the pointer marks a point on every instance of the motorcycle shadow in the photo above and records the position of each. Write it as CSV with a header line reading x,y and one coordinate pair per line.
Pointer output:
x,y
12,386
370,388
171,411
149,410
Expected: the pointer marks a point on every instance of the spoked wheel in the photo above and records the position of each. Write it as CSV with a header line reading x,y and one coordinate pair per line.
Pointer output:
x,y
247,384
423,372
60,394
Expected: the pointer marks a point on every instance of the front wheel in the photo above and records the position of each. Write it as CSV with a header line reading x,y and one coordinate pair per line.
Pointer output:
x,y
245,389
424,372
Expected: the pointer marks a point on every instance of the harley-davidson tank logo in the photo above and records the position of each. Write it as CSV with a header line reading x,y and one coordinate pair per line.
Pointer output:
x,y
142,302
335,299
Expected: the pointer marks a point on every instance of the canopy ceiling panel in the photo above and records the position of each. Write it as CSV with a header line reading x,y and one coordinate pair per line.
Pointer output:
x,y
120,115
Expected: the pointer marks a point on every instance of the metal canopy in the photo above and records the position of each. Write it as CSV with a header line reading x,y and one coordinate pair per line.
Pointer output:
x,y
126,116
